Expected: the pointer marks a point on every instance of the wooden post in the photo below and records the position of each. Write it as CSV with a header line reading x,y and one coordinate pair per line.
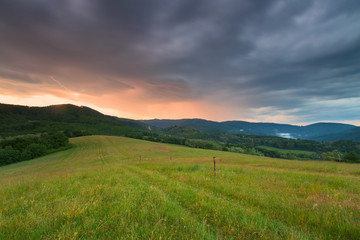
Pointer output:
x,y
214,166
140,158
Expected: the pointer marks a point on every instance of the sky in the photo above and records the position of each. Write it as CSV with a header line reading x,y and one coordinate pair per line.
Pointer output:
x,y
284,61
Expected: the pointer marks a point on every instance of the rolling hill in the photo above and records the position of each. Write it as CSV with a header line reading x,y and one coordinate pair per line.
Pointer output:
x,y
101,189
310,132
352,134
19,120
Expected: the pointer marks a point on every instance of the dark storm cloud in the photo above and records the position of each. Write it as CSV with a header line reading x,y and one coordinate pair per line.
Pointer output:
x,y
278,54
16,76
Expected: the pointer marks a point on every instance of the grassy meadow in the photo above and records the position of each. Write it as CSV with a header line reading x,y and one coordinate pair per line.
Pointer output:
x,y
121,188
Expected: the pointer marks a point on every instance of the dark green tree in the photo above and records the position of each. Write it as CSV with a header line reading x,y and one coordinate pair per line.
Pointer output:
x,y
352,157
33,150
9,155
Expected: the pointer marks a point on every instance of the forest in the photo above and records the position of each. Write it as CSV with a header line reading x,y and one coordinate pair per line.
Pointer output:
x,y
28,147
40,123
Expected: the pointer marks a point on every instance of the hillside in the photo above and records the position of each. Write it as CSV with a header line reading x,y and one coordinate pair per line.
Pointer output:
x,y
353,134
110,187
76,121
19,120
310,132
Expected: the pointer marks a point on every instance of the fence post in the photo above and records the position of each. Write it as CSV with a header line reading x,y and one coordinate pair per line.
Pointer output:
x,y
214,166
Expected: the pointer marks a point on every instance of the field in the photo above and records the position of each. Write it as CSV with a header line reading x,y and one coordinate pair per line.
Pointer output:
x,y
121,188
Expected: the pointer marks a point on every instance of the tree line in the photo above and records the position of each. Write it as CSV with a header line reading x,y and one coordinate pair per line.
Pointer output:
x,y
24,148
342,151
28,147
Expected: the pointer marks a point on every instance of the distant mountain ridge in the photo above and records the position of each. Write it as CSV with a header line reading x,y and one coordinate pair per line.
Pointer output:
x,y
352,134
18,120
317,131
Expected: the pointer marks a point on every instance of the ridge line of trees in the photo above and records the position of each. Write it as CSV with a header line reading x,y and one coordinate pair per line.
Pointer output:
x,y
249,145
28,147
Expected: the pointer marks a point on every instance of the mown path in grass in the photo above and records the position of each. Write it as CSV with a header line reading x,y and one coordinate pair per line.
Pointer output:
x,y
101,190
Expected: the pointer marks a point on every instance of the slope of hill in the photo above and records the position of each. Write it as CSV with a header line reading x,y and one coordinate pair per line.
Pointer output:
x,y
17,120
188,132
353,134
271,129
101,190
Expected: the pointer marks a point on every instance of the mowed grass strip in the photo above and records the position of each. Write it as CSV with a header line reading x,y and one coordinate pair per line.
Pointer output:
x,y
101,190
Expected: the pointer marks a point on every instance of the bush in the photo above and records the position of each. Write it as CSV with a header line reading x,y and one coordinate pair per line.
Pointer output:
x,y
9,155
335,155
197,143
352,157
56,140
33,151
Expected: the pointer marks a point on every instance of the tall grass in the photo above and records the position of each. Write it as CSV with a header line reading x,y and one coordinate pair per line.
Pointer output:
x,y
101,190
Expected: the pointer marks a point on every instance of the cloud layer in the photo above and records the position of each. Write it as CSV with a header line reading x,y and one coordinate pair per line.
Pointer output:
x,y
283,61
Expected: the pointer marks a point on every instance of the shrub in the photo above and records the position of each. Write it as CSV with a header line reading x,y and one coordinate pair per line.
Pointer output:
x,y
33,150
352,157
9,155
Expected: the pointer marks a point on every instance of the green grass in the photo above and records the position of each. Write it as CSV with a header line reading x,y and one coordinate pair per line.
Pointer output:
x,y
285,151
101,190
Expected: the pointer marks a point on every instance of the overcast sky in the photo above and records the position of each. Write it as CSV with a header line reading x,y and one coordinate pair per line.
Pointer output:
x,y
285,61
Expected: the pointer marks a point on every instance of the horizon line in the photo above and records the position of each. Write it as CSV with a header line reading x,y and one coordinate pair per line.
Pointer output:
x,y
187,118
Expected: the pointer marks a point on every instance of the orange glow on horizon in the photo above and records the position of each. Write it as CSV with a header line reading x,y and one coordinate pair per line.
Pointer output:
x,y
130,103
134,103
